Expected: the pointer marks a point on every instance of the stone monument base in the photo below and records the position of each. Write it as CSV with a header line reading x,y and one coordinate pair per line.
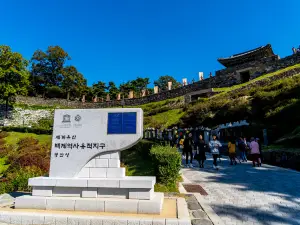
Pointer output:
x,y
113,205
174,212
116,195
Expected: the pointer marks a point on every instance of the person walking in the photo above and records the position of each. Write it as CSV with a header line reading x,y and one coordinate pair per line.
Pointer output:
x,y
254,151
214,148
243,148
188,150
232,153
200,155
260,153
180,142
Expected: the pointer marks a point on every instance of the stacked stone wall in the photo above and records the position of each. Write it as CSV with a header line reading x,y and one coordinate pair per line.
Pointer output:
x,y
224,78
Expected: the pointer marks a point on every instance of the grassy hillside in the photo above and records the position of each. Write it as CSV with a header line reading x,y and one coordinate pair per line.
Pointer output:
x,y
264,101
163,114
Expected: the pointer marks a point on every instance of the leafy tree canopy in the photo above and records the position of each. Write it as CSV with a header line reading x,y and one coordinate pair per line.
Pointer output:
x,y
162,82
98,89
47,67
73,81
14,76
112,90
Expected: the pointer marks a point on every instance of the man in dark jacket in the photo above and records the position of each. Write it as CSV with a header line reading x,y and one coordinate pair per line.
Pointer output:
x,y
188,149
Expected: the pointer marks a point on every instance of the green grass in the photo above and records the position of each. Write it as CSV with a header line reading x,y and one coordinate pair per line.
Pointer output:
x,y
3,166
155,105
13,138
228,89
136,165
165,119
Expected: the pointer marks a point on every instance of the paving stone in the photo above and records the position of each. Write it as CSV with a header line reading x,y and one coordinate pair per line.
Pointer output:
x,y
247,195
201,222
199,214
193,205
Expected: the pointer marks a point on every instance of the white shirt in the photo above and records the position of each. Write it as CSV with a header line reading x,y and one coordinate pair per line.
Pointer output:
x,y
214,146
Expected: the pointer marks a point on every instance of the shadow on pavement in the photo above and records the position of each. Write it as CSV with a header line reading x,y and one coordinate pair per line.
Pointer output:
x,y
278,187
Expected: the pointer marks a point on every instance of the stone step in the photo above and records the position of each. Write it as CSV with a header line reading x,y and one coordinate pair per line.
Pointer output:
x,y
124,193
125,182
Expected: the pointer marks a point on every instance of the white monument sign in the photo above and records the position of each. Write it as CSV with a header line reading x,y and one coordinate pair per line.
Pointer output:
x,y
80,135
85,172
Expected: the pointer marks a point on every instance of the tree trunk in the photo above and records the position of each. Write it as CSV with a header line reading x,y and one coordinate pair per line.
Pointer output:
x,y
68,95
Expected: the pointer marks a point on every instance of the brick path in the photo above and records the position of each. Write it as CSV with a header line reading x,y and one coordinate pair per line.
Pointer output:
x,y
242,194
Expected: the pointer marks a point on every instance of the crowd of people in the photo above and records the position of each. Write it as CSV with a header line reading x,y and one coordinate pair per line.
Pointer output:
x,y
238,150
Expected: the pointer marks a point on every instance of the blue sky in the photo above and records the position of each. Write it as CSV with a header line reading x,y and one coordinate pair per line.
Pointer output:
x,y
119,40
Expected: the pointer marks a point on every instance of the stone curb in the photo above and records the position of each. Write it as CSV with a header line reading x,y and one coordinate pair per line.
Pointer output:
x,y
31,218
215,219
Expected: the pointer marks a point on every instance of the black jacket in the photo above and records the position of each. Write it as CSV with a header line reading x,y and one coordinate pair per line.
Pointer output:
x,y
201,146
188,144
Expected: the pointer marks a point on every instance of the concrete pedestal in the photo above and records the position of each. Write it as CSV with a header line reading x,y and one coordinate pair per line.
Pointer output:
x,y
123,195
100,186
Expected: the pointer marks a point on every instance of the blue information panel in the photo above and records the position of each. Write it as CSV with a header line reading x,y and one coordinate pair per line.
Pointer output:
x,y
121,123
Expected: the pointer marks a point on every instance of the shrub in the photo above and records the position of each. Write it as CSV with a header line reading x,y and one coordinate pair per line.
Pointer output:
x,y
3,148
28,130
18,181
29,153
167,162
3,135
6,186
44,124
54,92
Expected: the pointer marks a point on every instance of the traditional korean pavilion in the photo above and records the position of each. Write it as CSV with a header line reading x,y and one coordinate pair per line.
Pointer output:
x,y
248,56
247,65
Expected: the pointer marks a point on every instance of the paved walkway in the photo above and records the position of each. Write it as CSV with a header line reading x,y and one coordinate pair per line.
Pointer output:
x,y
242,194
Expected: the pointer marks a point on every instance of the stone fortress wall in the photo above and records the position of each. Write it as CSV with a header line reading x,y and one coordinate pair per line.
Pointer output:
x,y
223,78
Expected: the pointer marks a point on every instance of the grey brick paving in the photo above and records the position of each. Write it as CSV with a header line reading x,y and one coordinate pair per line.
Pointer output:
x,y
242,194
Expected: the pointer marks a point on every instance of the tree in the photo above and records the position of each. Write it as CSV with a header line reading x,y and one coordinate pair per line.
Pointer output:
x,y
162,82
113,90
88,92
126,88
150,91
98,89
139,84
14,76
47,67
72,81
